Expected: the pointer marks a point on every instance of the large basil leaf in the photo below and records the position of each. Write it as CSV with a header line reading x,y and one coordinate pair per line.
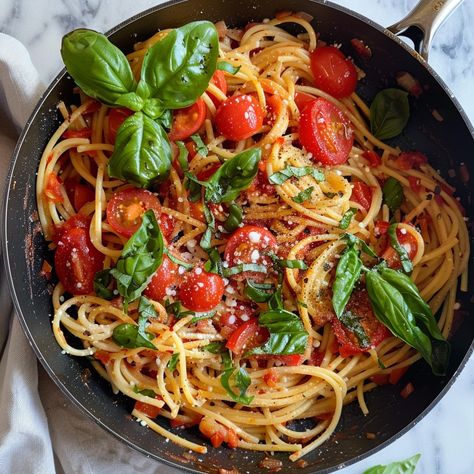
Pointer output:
x,y
287,333
99,68
140,258
392,310
234,176
407,466
389,113
142,153
347,275
177,69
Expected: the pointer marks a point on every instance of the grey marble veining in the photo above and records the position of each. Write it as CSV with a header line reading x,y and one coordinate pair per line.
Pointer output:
x,y
445,437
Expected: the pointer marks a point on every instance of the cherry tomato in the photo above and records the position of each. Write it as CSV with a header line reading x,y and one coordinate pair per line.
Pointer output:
x,y
77,220
362,194
79,193
164,278
248,244
325,132
116,118
406,240
149,410
333,72
302,100
230,321
77,261
218,79
126,207
359,305
201,290
372,157
239,117
188,120
240,338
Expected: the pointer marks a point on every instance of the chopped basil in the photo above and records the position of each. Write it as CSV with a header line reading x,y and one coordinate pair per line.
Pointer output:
x,y
242,382
258,292
400,249
181,263
234,219
173,362
347,218
244,267
146,392
297,172
351,321
392,194
287,263
102,281
201,147
201,316
406,466
183,156
303,196
216,347
227,67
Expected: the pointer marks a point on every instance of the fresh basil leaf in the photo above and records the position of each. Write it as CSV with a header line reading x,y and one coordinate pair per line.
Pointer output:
x,y
347,218
330,195
347,275
295,172
145,311
127,335
287,263
407,265
102,281
389,113
276,300
227,67
201,147
406,466
177,69
258,292
424,317
193,185
183,155
392,194
287,333
146,392
234,176
140,258
177,310
165,119
201,316
181,263
214,264
392,310
142,153
234,218
244,267
99,68
303,196
352,239
351,321
216,347
173,362
242,382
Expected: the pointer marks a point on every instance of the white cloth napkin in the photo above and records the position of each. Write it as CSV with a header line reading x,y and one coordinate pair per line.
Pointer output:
x,y
40,430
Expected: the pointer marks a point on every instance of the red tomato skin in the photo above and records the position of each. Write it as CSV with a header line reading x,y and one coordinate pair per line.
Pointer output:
x,y
333,72
116,117
274,107
164,278
53,188
149,410
239,117
218,79
238,340
302,100
77,261
82,133
201,290
362,194
325,132
124,218
373,158
411,160
188,120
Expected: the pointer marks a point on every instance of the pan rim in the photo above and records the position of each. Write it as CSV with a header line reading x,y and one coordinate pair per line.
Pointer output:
x,y
16,302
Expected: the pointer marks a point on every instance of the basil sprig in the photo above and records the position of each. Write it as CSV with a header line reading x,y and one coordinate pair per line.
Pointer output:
x,y
389,113
347,275
397,313
142,153
240,378
234,176
295,172
140,258
407,466
287,333
407,265
392,193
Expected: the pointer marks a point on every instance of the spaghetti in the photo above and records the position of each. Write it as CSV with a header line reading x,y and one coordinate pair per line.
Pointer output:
x,y
181,375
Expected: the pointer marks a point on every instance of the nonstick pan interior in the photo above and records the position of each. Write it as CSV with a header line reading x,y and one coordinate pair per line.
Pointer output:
x,y
447,143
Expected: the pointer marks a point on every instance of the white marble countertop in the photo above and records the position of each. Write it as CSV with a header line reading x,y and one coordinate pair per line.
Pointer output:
x,y
445,437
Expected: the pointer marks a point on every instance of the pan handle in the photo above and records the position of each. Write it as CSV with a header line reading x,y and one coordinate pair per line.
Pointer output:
x,y
422,23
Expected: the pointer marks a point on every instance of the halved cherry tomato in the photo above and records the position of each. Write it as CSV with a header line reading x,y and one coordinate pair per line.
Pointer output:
x,y
325,131
201,290
359,305
126,207
239,117
116,118
77,220
240,338
164,278
333,72
361,194
53,188
149,410
218,79
411,160
79,193
379,379
250,244
406,240
192,149
302,100
237,315
188,120
77,261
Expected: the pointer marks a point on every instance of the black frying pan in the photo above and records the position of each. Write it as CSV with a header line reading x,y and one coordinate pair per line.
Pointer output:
x,y
447,143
